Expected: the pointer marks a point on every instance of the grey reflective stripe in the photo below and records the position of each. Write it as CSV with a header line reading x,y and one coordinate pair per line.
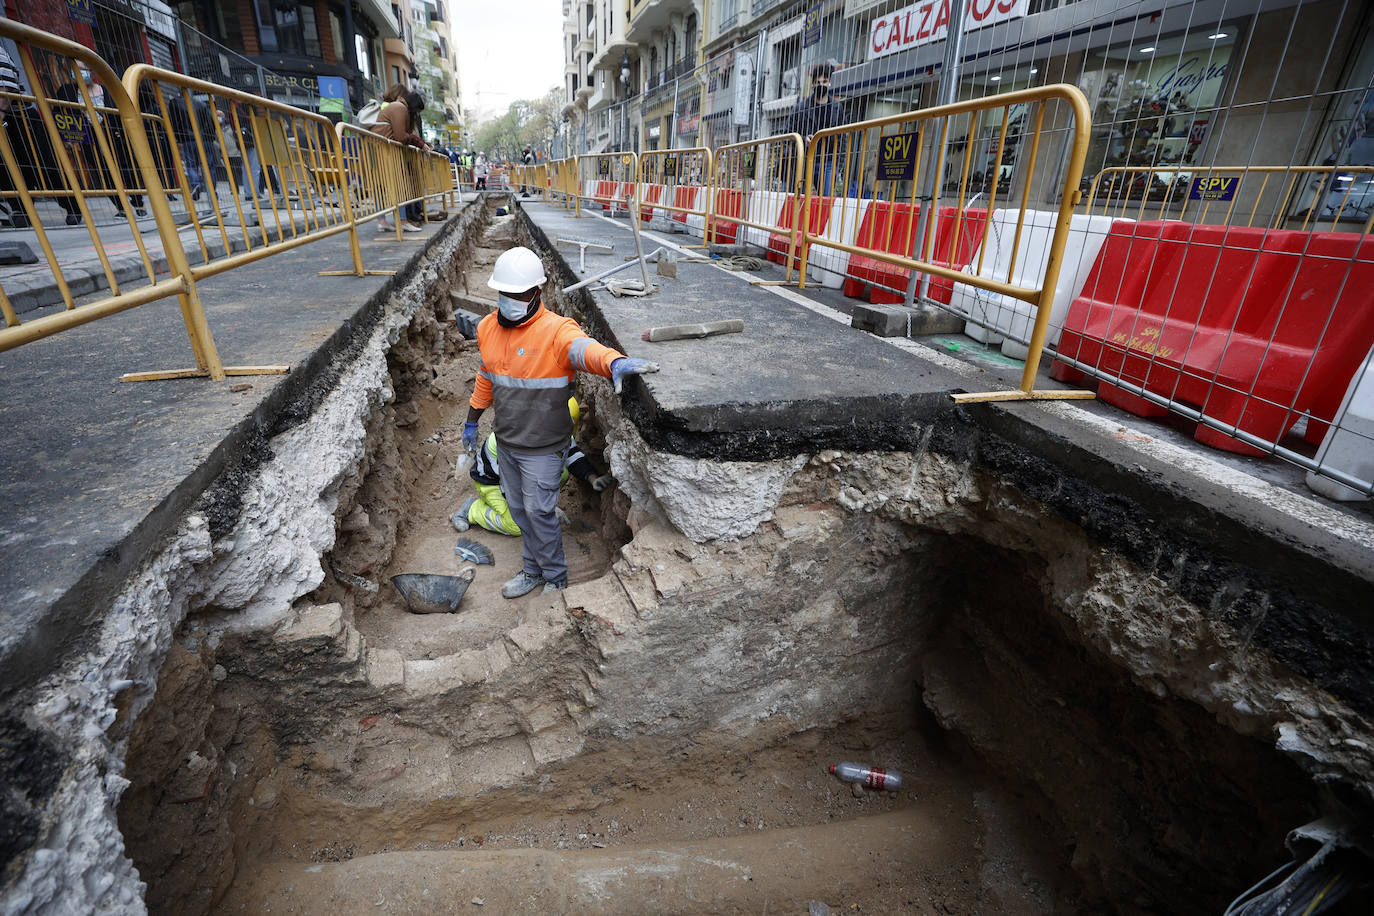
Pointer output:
x,y
510,381
577,352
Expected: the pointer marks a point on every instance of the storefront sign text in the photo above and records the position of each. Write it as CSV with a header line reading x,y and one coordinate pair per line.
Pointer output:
x,y
897,158
291,81
922,23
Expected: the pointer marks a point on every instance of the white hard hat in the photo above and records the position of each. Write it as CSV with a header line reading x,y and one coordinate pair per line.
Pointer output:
x,y
516,271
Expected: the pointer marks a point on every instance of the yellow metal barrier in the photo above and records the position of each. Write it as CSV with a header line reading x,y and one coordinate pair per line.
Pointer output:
x,y
752,179
666,175
376,174
565,180
115,158
608,179
298,156
882,159
1279,196
72,143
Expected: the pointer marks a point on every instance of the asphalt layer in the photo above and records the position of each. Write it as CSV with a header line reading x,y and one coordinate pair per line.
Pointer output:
x,y
94,471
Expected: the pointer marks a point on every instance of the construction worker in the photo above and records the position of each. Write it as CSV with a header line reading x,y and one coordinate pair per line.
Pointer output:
x,y
529,359
488,508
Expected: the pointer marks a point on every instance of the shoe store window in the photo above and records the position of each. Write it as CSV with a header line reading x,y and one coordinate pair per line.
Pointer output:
x,y
1153,105
1344,189
992,164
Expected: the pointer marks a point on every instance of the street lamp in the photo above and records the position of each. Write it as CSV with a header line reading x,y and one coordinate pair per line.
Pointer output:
x,y
625,96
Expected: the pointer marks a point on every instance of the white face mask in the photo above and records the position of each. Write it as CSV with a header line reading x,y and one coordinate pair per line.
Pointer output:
x,y
511,309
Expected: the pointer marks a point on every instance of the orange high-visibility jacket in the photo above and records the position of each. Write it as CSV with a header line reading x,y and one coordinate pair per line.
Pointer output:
x,y
527,373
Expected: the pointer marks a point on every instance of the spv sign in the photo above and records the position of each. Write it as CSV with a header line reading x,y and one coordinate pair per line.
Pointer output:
x,y
922,23
897,158
1214,188
72,126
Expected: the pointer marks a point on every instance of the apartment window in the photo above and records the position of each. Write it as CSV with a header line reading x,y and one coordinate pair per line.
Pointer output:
x,y
360,48
336,33
728,15
287,28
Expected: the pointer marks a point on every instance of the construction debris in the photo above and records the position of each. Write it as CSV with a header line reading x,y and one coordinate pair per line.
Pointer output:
x,y
582,246
689,331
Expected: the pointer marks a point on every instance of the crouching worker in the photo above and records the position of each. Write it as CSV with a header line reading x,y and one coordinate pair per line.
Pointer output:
x,y
488,509
530,357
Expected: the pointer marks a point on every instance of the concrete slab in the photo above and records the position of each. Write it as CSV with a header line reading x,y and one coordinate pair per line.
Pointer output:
x,y
793,377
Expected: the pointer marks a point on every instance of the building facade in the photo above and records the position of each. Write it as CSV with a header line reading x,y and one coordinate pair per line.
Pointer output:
x,y
1173,85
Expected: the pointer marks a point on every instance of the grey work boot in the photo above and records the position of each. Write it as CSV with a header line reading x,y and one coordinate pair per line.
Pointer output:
x,y
550,587
522,584
460,518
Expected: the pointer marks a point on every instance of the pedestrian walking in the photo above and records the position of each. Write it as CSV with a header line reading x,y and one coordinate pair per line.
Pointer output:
x,y
527,160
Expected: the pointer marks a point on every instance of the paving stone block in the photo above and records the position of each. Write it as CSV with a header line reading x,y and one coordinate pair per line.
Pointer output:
x,y
385,668
603,597
555,744
315,622
881,320
639,587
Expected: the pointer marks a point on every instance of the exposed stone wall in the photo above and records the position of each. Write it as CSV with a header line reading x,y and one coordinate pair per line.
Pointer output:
x,y
248,551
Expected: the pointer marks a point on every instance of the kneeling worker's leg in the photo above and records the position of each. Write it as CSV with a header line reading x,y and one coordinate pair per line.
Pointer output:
x,y
491,512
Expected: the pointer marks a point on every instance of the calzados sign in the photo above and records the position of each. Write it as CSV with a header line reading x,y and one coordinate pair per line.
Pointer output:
x,y
922,23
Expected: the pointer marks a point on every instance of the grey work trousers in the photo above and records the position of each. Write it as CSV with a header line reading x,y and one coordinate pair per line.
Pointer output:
x,y
530,484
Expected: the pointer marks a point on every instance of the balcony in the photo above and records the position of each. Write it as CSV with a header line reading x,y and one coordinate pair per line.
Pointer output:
x,y
762,6
608,55
683,67
379,12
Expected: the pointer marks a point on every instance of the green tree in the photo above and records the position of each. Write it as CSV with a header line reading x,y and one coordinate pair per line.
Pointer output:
x,y
533,122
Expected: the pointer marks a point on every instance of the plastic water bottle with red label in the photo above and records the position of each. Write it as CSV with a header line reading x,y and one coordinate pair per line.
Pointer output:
x,y
867,776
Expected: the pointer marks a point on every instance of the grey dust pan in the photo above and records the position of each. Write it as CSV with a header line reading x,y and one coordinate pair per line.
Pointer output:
x,y
427,593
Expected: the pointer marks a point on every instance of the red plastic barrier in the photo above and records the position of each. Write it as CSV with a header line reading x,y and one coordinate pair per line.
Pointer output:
x,y
1250,326
729,203
651,194
816,222
605,193
684,196
891,226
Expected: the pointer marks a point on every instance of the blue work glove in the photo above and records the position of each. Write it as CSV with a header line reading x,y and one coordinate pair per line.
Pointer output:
x,y
629,365
470,438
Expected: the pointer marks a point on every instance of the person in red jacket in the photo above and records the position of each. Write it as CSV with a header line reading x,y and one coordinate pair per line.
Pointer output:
x,y
530,357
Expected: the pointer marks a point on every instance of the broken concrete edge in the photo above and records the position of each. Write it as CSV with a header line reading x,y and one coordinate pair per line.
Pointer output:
x,y
74,684
1150,511
1299,591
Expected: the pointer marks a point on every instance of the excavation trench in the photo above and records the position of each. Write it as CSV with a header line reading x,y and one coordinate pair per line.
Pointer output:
x,y
655,738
